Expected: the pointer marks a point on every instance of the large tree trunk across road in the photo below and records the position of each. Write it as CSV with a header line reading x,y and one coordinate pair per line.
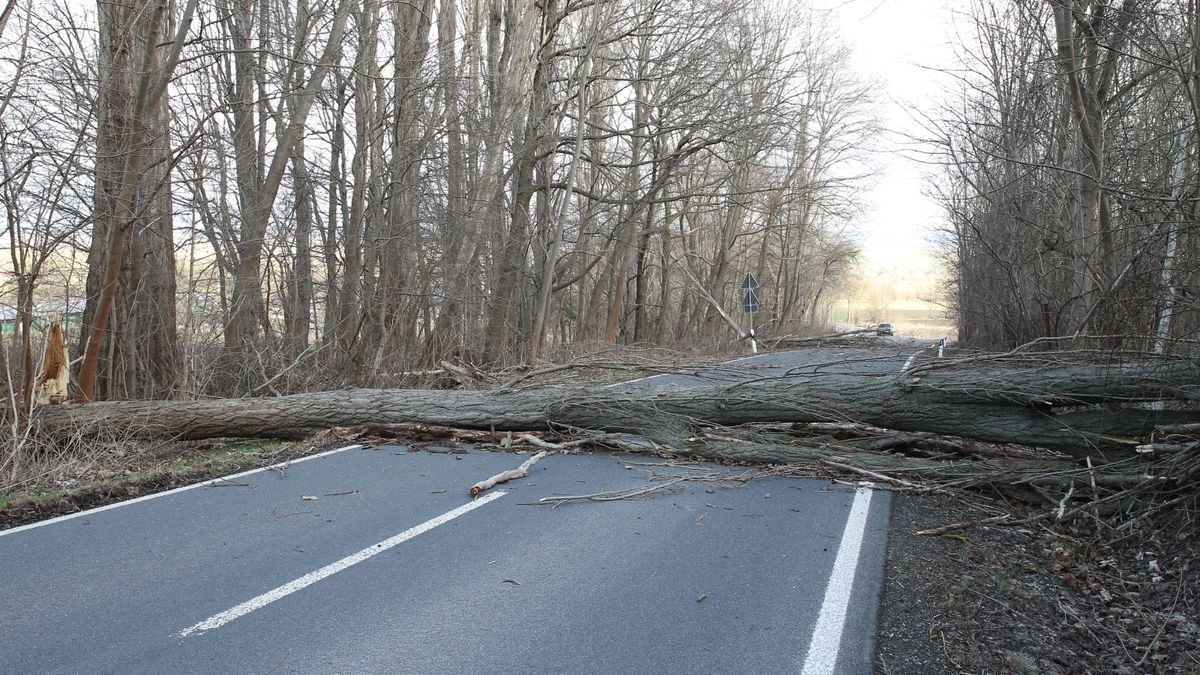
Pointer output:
x,y
1079,408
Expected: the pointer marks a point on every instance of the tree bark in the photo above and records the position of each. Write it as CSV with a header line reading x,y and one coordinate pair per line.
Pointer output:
x,y
514,245
1057,407
131,262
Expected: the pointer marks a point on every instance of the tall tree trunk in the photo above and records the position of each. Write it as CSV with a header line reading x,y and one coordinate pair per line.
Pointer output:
x,y
298,307
514,245
132,257
1089,53
458,233
260,186
541,315
627,226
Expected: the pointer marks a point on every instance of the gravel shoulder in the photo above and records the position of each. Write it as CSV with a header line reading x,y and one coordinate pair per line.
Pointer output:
x,y
1087,598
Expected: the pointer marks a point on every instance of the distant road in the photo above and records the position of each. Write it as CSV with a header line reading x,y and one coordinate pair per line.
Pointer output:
x,y
393,569
888,357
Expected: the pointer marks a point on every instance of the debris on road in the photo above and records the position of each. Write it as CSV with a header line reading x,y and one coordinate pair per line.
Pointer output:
x,y
503,477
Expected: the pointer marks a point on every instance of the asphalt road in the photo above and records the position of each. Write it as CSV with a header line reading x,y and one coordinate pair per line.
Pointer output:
x,y
889,356
392,568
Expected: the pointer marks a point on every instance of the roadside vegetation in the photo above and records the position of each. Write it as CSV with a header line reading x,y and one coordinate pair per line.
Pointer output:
x,y
133,470
227,223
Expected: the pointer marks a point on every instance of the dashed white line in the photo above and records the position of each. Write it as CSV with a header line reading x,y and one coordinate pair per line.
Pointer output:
x,y
156,495
218,620
827,634
640,379
747,358
908,363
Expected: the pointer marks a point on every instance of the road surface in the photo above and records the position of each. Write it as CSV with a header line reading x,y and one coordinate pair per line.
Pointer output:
x,y
888,357
391,568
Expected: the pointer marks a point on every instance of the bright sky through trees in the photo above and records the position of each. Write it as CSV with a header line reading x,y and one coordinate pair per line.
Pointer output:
x,y
898,45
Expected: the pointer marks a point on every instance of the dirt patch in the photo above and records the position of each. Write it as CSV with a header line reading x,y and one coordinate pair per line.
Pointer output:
x,y
1084,598
165,468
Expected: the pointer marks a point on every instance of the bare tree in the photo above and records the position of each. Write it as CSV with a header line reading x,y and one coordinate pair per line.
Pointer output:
x,y
1070,190
346,192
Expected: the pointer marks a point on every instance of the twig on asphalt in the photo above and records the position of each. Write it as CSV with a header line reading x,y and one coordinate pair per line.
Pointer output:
x,y
503,477
615,495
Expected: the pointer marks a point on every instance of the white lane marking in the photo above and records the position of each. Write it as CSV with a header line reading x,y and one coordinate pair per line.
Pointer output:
x,y
218,620
185,488
749,358
941,345
640,379
827,634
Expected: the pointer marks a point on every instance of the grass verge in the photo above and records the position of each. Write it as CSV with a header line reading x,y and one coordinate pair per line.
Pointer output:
x,y
165,469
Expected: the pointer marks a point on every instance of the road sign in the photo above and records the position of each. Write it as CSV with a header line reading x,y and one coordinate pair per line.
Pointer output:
x,y
750,282
750,302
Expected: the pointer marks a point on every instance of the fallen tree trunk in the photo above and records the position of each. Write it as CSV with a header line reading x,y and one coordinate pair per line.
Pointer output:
x,y
1080,408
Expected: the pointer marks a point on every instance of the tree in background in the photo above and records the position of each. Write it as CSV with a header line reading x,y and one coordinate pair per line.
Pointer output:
x,y
289,194
1070,177
129,347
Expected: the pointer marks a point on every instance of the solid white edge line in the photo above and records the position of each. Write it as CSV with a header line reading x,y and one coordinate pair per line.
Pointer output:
x,y
826,640
908,363
185,488
218,620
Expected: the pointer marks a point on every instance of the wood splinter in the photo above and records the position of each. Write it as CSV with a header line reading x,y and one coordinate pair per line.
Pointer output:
x,y
519,472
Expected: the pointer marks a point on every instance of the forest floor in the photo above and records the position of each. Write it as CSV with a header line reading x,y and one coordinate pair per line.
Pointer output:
x,y
1083,598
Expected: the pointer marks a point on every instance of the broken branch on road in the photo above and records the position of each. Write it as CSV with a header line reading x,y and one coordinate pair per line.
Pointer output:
x,y
505,476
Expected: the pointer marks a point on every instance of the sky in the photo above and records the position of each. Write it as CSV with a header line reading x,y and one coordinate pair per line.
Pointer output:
x,y
895,44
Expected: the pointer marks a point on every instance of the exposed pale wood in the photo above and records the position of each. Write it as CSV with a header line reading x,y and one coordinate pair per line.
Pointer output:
x,y
505,476
56,369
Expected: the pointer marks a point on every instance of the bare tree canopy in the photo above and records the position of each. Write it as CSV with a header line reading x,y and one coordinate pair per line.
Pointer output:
x,y
261,197
1069,150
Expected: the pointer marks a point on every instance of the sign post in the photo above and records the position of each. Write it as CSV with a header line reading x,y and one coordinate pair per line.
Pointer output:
x,y
751,304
